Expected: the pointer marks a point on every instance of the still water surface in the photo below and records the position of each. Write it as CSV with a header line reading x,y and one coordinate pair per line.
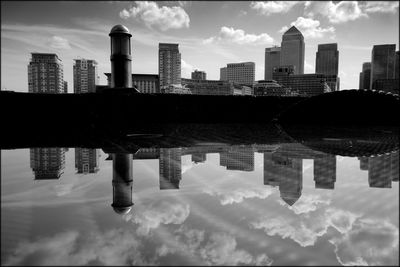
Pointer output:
x,y
209,204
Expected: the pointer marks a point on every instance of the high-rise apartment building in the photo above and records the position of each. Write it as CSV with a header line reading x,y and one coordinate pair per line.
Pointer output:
x,y
241,73
169,64
293,49
223,76
47,163
45,74
85,76
382,63
272,59
327,63
86,160
65,87
365,76
170,168
199,75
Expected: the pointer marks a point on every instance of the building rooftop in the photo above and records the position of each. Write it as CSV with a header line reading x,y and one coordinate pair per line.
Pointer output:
x,y
118,29
292,31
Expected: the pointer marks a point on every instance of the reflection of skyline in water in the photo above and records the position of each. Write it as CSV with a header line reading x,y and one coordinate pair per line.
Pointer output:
x,y
282,166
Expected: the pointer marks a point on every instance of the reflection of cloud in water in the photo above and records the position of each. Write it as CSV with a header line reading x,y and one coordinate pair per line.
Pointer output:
x,y
115,247
306,204
305,230
216,248
230,196
151,216
370,242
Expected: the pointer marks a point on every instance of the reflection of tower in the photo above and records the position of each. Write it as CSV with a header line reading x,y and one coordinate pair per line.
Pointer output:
x,y
271,171
291,177
394,166
241,159
198,157
170,168
363,163
86,160
122,183
325,172
379,171
47,163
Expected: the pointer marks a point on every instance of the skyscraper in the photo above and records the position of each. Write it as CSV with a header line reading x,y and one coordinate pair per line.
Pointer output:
x,y
47,163
86,160
365,76
169,64
238,158
199,75
292,50
382,63
241,73
223,74
396,65
170,168
272,59
65,87
325,172
327,62
45,74
85,76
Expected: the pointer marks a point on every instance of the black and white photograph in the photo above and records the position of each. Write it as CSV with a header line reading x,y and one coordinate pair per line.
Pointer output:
x,y
199,133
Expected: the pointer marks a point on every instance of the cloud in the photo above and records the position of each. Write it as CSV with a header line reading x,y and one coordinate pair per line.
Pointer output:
x,y
230,35
336,13
161,212
270,7
211,248
304,229
380,6
187,70
238,195
115,247
305,204
370,242
163,17
310,28
58,42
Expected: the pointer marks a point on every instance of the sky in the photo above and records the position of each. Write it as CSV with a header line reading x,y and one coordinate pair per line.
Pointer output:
x,y
210,34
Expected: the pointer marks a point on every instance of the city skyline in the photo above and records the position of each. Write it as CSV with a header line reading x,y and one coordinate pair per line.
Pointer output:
x,y
81,30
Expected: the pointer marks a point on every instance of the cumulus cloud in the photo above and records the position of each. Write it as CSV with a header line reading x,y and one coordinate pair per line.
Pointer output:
x,y
215,248
305,230
238,36
370,242
270,7
187,70
310,28
58,42
163,17
379,6
306,204
336,13
161,212
238,195
115,247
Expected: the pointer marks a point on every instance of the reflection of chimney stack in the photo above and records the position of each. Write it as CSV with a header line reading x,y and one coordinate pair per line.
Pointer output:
x,y
122,183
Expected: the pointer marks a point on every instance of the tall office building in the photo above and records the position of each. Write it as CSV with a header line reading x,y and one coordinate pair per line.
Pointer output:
x,y
382,63
169,64
170,168
272,59
379,171
325,172
241,73
85,76
293,49
238,158
365,76
86,160
47,163
223,76
396,65
45,74
327,62
199,75
65,87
